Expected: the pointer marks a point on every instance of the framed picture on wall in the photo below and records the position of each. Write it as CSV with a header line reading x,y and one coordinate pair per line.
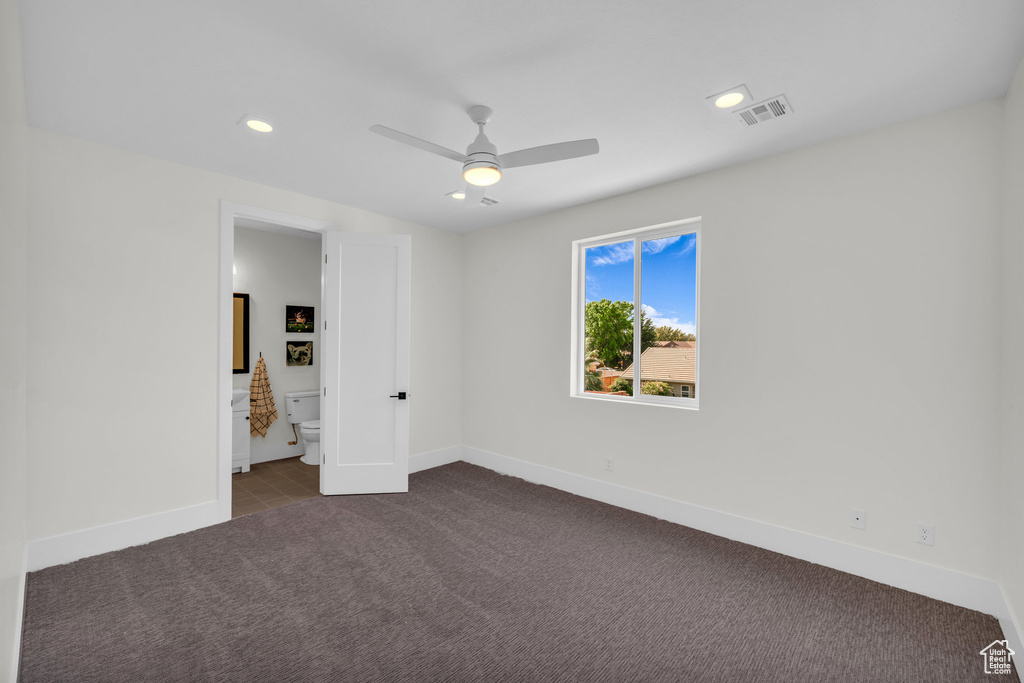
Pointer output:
x,y
299,318
299,353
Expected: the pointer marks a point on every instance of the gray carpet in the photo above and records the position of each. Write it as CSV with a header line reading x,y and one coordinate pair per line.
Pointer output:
x,y
473,576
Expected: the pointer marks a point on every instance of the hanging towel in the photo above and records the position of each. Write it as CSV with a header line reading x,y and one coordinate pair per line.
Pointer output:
x,y
262,412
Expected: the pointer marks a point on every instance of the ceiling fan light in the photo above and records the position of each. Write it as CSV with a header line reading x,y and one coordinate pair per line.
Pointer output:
x,y
481,174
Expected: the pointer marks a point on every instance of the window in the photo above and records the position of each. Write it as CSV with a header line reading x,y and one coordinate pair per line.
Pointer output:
x,y
651,275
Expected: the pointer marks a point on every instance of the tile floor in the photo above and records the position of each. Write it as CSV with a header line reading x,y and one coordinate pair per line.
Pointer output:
x,y
272,484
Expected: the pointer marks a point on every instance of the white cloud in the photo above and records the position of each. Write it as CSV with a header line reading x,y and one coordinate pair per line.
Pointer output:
x,y
659,320
658,246
612,254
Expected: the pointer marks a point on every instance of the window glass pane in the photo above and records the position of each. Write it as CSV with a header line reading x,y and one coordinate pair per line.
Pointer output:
x,y
608,317
668,291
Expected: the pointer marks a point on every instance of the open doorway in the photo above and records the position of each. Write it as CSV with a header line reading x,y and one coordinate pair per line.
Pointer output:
x,y
274,258
364,368
276,454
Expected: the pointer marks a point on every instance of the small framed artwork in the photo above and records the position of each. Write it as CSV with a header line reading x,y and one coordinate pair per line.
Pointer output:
x,y
299,319
299,353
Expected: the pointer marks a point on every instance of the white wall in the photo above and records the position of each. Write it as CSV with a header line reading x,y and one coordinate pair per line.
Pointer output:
x,y
1011,468
123,299
13,337
849,342
276,271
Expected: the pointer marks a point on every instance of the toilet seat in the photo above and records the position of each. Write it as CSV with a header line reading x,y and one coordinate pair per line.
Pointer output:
x,y
310,424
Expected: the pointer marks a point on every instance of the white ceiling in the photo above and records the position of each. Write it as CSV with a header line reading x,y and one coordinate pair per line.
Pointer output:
x,y
171,79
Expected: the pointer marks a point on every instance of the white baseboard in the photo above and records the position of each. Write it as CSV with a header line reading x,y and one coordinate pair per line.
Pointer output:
x,y
261,452
442,456
965,590
63,548
19,621
1013,629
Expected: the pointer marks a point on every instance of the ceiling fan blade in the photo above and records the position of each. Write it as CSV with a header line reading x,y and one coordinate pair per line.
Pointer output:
x,y
474,194
548,153
416,142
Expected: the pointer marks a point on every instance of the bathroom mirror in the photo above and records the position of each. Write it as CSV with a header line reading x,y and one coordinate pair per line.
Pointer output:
x,y
240,346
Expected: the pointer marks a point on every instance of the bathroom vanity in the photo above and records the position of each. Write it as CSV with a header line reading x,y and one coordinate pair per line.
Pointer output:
x,y
240,430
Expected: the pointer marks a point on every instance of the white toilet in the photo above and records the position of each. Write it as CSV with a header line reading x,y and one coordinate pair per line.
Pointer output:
x,y
304,412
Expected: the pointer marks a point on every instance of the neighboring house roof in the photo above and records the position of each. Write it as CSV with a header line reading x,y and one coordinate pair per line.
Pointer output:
x,y
676,344
666,364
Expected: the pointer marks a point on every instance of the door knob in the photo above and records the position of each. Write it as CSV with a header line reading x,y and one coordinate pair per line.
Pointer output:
x,y
400,396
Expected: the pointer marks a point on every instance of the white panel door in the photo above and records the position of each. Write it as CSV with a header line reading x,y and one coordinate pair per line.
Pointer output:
x,y
364,410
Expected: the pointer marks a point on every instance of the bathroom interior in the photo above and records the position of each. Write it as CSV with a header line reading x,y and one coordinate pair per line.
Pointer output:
x,y
276,278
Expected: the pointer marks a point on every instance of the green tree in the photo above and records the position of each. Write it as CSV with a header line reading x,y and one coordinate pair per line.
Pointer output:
x,y
593,382
608,326
621,384
655,389
648,332
609,330
669,333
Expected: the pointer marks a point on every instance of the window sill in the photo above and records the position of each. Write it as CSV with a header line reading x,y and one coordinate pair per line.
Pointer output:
x,y
660,401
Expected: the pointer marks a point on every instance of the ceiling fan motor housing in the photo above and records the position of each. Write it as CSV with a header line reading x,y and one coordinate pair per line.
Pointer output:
x,y
481,154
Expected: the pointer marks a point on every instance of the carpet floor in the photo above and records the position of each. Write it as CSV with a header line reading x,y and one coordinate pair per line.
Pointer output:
x,y
474,576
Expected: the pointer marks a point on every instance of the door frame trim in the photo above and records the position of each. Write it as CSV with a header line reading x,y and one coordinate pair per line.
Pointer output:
x,y
229,211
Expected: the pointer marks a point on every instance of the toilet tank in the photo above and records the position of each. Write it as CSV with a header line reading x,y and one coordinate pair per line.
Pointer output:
x,y
302,406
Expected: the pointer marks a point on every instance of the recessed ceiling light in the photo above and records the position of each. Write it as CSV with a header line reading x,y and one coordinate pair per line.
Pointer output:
x,y
458,195
259,126
727,99
256,123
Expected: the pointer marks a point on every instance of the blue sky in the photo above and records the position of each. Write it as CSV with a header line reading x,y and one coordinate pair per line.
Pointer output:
x,y
668,281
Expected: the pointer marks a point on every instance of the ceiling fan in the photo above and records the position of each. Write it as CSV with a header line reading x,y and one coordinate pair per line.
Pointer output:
x,y
481,164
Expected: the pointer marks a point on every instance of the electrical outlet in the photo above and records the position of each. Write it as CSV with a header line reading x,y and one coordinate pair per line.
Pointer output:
x,y
925,534
858,519
609,463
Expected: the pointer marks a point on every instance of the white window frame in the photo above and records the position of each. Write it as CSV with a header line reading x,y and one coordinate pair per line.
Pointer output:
x,y
579,292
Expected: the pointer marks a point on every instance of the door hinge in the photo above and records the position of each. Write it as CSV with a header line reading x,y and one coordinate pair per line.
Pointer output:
x,y
325,391
325,258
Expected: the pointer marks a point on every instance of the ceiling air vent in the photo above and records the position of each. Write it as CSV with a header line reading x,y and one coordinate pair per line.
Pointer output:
x,y
767,110
487,201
